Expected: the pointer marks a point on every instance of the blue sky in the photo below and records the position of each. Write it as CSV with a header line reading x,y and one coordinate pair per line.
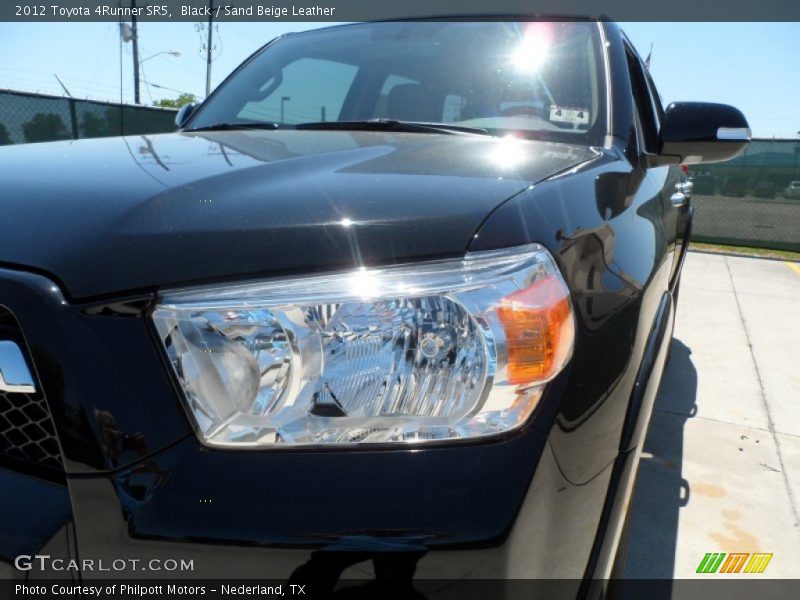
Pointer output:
x,y
750,65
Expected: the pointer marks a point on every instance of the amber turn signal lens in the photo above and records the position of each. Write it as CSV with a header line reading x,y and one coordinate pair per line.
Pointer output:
x,y
539,328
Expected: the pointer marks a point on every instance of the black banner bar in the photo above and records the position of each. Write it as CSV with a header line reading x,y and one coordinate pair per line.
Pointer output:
x,y
368,10
708,588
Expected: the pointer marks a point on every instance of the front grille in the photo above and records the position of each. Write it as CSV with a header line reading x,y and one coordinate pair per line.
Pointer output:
x,y
27,434
26,430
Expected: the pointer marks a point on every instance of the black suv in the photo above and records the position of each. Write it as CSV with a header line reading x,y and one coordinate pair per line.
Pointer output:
x,y
395,300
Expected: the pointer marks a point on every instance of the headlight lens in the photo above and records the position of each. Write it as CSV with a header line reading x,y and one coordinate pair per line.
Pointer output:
x,y
433,351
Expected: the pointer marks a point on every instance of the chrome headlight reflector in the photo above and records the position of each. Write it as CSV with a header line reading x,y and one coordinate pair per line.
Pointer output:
x,y
448,349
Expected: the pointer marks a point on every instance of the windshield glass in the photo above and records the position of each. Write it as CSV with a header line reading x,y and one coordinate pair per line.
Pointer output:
x,y
538,79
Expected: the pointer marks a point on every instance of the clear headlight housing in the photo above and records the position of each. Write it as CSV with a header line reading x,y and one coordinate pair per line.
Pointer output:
x,y
448,349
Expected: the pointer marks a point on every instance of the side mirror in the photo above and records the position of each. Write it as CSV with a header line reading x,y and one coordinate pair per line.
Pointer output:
x,y
185,111
702,132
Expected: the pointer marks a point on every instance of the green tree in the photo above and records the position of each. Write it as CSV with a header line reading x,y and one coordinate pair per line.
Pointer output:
x,y
44,127
98,125
5,139
178,102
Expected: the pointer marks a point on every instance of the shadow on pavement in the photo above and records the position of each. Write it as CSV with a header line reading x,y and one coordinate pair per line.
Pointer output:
x,y
661,491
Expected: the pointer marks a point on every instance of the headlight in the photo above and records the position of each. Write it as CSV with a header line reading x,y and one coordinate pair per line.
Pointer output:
x,y
448,349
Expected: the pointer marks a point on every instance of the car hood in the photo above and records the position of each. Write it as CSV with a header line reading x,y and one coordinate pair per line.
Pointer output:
x,y
114,215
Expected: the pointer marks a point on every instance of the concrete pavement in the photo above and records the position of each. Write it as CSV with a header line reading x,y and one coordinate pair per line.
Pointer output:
x,y
721,465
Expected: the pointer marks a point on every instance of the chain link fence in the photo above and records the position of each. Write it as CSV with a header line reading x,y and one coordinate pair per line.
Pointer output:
x,y
753,200
26,117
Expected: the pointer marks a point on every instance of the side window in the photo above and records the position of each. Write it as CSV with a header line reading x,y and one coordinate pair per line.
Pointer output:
x,y
655,100
645,107
310,90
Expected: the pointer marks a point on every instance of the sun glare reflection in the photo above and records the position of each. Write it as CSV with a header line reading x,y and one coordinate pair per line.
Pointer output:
x,y
533,49
507,152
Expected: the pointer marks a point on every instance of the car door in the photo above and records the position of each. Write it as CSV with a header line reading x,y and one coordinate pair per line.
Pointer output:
x,y
668,181
680,196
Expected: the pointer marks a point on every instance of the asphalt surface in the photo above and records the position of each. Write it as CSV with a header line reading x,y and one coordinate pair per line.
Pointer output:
x,y
720,470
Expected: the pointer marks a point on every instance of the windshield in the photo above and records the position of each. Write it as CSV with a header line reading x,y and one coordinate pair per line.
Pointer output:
x,y
538,79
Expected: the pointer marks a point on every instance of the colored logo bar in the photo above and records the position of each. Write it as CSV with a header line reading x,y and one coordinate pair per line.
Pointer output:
x,y
734,562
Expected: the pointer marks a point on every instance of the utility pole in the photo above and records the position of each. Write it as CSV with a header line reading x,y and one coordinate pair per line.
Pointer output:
x,y
208,47
135,42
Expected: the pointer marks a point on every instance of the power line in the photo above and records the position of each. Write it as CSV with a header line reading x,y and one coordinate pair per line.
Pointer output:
x,y
102,55
173,62
246,33
79,89
163,87
144,78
